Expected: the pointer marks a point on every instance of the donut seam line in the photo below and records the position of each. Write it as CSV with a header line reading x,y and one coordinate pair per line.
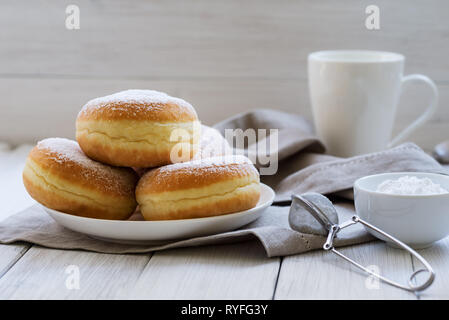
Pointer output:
x,y
203,197
125,139
70,192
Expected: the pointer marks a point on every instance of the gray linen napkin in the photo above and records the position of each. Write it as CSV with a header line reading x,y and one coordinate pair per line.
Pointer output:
x,y
302,168
272,229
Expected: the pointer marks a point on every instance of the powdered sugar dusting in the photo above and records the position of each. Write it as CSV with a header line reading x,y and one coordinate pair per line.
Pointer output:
x,y
411,185
212,144
196,173
207,162
214,165
63,150
68,152
139,98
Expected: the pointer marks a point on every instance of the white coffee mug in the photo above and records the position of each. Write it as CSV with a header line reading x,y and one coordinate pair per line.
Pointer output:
x,y
354,96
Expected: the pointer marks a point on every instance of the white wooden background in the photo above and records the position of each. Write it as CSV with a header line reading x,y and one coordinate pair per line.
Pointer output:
x,y
222,56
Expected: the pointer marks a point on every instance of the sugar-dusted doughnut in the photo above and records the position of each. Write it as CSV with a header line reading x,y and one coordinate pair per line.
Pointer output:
x,y
212,144
199,188
138,128
61,177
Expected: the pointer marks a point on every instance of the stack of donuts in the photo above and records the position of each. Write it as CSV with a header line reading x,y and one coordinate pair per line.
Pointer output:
x,y
141,148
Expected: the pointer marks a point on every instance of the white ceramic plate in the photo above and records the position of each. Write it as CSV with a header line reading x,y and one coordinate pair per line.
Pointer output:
x,y
135,231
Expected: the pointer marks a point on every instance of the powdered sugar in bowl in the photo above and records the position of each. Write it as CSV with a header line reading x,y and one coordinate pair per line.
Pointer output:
x,y
411,206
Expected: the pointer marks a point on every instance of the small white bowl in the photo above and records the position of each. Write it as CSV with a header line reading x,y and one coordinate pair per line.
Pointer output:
x,y
417,220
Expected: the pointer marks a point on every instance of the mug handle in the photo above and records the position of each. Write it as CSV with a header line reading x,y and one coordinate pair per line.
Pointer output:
x,y
427,113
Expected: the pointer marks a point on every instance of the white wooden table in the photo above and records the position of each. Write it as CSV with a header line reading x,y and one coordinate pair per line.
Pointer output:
x,y
237,271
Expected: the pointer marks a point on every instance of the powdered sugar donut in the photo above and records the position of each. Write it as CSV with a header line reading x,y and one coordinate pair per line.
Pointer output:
x,y
199,188
212,144
61,177
138,128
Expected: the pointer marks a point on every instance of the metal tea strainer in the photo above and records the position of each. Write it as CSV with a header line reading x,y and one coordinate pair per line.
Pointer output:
x,y
324,212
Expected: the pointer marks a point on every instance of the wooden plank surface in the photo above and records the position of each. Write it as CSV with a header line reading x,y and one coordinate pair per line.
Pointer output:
x,y
205,39
214,100
49,274
236,271
323,275
9,255
239,271
223,56
438,257
13,196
